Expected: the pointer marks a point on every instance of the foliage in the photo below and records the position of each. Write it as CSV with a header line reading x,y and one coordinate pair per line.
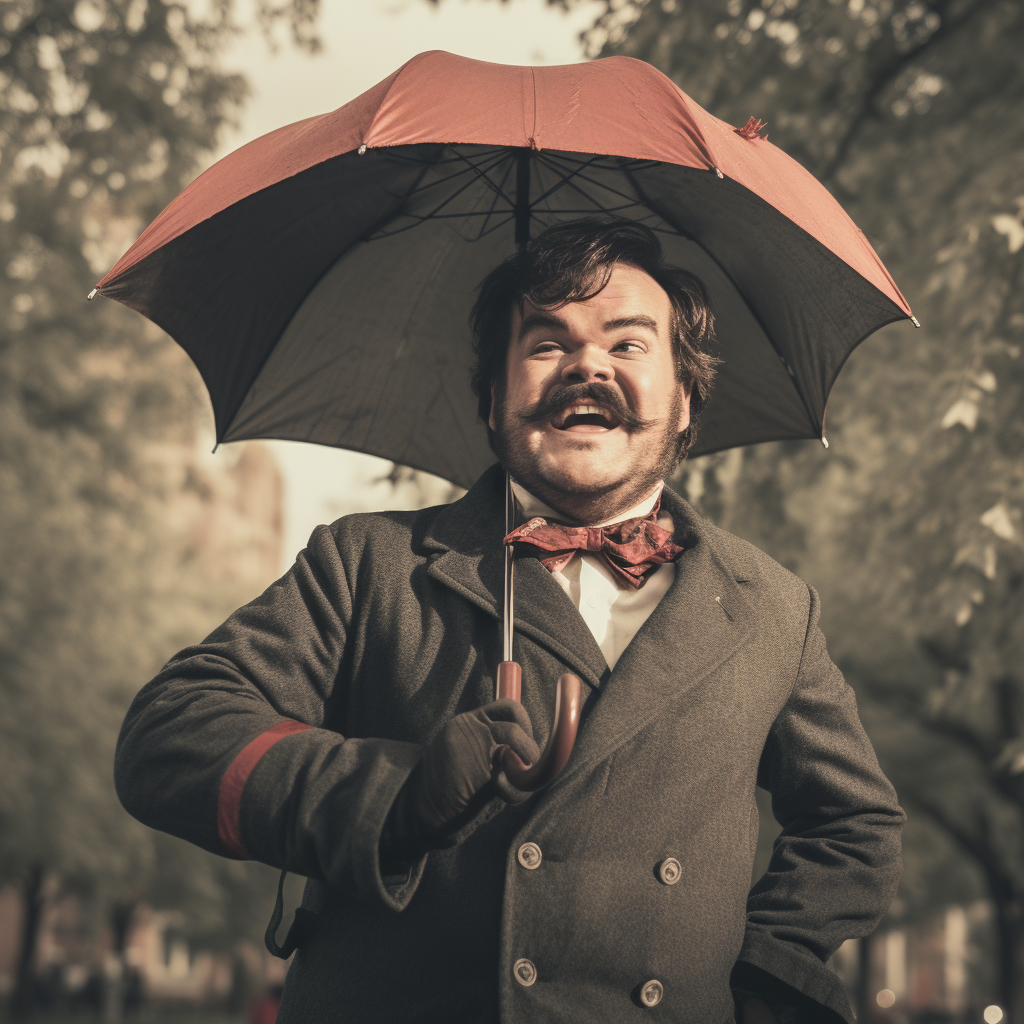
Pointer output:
x,y
107,109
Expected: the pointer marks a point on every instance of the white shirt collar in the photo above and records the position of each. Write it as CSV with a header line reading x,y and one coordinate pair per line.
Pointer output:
x,y
532,506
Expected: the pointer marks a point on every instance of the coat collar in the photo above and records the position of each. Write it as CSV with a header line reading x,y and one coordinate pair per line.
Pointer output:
x,y
696,626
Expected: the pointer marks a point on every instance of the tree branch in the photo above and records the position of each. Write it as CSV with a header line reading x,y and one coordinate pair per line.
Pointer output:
x,y
887,76
1010,787
1000,884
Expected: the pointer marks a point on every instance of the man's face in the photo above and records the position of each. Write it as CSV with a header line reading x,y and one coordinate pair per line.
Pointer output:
x,y
588,415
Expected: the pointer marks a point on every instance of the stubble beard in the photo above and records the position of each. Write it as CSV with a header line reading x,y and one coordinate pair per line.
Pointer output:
x,y
571,497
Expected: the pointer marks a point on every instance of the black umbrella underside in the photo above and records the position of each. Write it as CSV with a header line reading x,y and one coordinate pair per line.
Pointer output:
x,y
333,307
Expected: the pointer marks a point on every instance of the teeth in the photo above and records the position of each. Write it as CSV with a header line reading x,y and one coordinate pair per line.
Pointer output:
x,y
586,410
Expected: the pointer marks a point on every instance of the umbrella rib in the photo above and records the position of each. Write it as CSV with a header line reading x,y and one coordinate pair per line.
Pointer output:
x,y
484,230
628,204
435,214
420,218
456,158
578,172
483,176
566,181
457,192
467,165
480,176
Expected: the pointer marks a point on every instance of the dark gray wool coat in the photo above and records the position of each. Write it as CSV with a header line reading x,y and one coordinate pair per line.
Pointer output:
x,y
386,627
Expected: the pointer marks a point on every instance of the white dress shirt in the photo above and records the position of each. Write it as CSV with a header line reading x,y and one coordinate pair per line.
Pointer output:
x,y
613,612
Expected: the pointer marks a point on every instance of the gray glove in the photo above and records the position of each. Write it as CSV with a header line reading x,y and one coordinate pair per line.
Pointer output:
x,y
457,778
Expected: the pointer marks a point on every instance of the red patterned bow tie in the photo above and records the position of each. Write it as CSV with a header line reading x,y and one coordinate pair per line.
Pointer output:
x,y
632,549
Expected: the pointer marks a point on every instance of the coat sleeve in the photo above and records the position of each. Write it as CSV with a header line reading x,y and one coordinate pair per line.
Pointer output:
x,y
226,746
835,866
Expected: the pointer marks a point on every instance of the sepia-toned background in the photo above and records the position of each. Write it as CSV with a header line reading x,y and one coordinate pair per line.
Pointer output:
x,y
122,537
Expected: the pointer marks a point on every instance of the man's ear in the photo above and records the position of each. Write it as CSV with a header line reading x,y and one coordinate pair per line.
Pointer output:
x,y
491,422
684,408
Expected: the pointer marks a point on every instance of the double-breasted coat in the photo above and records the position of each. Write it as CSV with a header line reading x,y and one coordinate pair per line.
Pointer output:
x,y
286,734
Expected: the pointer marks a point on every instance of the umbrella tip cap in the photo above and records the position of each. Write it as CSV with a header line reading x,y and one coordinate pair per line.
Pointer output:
x,y
91,295
824,440
915,321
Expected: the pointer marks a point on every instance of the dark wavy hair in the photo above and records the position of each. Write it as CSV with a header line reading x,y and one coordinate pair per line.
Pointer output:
x,y
571,263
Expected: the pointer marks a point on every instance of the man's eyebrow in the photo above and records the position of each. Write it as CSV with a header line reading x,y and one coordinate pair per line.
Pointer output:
x,y
544,319
540,319
638,320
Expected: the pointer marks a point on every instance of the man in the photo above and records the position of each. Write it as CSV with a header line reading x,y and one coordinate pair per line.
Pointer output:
x,y
342,725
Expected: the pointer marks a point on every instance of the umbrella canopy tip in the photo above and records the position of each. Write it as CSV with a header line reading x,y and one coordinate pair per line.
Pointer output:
x,y
91,295
824,440
915,321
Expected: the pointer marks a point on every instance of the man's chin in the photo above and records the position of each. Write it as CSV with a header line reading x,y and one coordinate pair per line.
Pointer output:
x,y
579,473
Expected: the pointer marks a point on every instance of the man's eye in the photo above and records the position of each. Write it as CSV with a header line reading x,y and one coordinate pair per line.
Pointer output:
x,y
628,346
546,346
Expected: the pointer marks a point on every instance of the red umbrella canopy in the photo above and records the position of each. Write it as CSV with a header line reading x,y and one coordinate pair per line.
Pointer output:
x,y
321,276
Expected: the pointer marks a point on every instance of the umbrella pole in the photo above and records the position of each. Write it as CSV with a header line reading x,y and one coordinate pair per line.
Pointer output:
x,y
510,685
510,674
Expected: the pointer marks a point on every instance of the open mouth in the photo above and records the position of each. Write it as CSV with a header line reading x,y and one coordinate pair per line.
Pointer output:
x,y
585,416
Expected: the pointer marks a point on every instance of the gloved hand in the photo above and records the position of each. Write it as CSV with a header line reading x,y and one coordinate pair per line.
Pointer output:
x,y
457,778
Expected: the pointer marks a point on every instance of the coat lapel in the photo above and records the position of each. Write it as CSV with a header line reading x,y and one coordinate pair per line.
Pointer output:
x,y
696,627
470,560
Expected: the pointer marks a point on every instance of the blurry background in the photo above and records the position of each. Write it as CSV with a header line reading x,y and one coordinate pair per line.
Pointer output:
x,y
122,538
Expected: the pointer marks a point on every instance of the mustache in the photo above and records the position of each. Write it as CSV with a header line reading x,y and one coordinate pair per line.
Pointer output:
x,y
602,394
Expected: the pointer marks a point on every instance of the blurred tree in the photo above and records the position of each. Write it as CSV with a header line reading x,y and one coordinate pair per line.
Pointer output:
x,y
912,112
107,108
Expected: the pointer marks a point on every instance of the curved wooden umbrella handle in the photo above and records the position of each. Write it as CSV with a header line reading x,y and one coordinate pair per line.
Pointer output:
x,y
563,728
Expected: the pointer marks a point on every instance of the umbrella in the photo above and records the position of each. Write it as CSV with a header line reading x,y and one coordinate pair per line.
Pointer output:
x,y
321,276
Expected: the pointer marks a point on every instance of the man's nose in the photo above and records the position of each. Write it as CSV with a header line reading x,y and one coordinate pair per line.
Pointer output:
x,y
587,363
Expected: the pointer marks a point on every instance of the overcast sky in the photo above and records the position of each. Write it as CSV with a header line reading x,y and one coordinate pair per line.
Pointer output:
x,y
364,41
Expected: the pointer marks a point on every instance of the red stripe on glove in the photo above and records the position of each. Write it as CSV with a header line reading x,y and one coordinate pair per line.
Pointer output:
x,y
229,798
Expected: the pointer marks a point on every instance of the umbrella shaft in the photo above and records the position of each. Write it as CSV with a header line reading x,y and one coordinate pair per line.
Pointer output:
x,y
506,607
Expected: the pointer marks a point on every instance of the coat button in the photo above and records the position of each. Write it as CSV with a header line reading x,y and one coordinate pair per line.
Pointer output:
x,y
651,993
529,856
526,973
670,871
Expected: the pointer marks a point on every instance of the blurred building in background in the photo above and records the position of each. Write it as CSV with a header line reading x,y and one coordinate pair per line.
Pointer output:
x,y
232,506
